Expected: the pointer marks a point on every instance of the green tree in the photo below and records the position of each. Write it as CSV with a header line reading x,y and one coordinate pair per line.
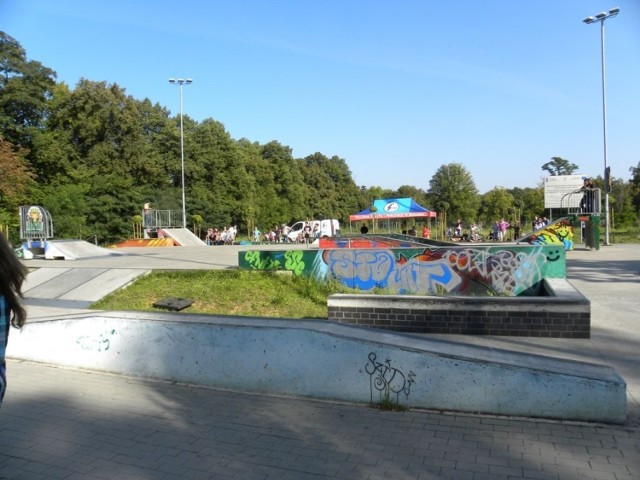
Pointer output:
x,y
409,191
559,166
532,200
496,204
16,179
453,185
216,178
288,181
634,188
67,204
331,191
109,207
25,87
621,205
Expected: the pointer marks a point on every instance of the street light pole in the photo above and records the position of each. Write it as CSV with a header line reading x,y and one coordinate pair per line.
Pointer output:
x,y
601,17
180,82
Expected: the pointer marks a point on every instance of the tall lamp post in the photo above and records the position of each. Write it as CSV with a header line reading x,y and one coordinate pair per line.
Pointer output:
x,y
601,17
181,82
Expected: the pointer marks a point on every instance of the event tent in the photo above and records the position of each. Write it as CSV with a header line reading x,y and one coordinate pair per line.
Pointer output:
x,y
393,208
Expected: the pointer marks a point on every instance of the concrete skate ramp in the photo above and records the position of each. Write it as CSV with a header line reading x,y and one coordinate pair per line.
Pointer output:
x,y
147,242
558,232
82,286
183,237
320,359
73,249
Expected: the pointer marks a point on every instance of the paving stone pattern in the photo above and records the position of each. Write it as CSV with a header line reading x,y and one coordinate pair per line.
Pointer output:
x,y
67,424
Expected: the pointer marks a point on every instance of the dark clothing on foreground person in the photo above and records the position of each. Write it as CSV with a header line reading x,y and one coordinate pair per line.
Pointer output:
x,y
12,313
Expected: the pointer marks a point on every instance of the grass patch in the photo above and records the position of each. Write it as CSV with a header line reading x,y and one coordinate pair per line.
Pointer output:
x,y
387,404
228,292
623,235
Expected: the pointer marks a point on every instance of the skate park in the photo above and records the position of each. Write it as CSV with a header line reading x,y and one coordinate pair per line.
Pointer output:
x,y
68,334
68,420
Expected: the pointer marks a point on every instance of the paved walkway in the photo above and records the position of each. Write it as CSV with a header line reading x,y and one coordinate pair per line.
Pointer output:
x,y
67,424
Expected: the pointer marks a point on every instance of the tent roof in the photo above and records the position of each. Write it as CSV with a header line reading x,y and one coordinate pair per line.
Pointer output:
x,y
393,208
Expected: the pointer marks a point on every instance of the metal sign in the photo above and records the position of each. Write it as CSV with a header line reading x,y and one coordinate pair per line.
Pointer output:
x,y
557,190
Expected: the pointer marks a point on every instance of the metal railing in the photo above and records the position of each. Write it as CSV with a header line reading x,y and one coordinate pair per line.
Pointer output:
x,y
583,201
153,218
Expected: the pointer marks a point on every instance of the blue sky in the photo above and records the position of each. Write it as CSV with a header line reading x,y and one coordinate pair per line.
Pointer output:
x,y
397,89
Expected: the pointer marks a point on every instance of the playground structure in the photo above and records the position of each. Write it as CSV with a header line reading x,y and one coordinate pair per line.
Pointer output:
x,y
36,228
158,225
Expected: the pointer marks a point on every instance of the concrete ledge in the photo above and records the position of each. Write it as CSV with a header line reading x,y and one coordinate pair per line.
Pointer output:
x,y
564,313
325,360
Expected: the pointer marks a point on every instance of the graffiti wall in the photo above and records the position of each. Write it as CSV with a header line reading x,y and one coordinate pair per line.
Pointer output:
x,y
463,270
559,232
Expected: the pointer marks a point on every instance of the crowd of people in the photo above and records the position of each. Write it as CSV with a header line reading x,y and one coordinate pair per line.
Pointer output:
x,y
426,231
277,234
281,234
538,223
223,236
499,232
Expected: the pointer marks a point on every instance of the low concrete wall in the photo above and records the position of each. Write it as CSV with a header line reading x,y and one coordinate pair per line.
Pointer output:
x,y
563,313
325,360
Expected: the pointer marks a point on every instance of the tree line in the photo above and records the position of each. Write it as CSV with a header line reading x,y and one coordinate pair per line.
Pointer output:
x,y
93,156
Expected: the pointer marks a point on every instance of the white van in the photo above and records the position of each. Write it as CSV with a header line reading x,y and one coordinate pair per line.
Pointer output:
x,y
326,228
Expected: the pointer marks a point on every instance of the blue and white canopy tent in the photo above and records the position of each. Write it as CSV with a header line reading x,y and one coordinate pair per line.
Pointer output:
x,y
399,209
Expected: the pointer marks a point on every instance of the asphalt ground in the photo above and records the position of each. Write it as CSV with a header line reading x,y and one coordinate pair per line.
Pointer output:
x,y
72,424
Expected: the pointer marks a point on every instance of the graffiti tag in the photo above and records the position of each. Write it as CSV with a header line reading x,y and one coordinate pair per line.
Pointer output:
x,y
100,343
387,380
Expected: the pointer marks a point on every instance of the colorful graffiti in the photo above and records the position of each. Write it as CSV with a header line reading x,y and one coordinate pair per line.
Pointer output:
x,y
367,242
294,261
468,270
559,232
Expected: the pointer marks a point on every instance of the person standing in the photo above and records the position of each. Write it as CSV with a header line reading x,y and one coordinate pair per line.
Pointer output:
x,y
586,203
307,232
426,233
496,231
502,233
12,313
458,231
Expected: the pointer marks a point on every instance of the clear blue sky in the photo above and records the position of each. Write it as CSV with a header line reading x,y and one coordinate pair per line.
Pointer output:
x,y
396,88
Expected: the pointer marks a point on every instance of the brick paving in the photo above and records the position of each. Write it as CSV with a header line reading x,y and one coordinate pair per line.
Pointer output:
x,y
68,424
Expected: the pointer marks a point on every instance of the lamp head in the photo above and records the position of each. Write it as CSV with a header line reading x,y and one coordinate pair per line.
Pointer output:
x,y
589,20
601,15
614,11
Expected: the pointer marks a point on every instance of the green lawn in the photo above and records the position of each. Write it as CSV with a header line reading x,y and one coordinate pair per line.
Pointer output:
x,y
228,292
